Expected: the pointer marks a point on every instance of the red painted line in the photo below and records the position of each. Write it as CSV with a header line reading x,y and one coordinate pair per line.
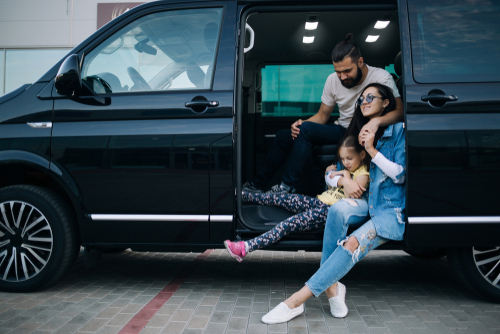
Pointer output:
x,y
141,319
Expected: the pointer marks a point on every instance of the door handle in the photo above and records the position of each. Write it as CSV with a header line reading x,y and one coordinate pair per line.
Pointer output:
x,y
204,104
40,125
439,97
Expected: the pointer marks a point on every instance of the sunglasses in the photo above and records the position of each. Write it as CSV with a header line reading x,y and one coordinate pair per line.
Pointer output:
x,y
369,99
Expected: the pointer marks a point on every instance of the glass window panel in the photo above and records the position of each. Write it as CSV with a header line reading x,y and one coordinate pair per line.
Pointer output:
x,y
27,66
455,40
172,50
2,78
293,90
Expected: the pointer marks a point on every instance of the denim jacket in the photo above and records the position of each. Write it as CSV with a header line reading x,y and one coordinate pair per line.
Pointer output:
x,y
386,199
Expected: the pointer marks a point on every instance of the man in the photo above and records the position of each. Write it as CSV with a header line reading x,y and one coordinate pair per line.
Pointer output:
x,y
342,88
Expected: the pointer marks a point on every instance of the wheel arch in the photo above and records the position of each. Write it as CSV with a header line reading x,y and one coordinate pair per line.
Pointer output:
x,y
25,168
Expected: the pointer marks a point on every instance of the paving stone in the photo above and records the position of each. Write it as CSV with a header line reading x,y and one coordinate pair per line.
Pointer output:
x,y
257,329
397,327
182,315
241,312
317,326
412,322
220,317
54,324
373,321
119,320
215,328
277,328
94,325
437,327
108,313
198,322
224,306
174,328
237,324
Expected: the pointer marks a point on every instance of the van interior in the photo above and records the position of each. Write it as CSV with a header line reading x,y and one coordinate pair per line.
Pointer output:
x,y
283,81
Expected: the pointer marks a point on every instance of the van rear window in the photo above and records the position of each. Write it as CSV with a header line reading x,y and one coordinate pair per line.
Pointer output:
x,y
455,40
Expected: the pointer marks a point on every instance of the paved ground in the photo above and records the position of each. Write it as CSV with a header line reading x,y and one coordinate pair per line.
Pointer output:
x,y
387,292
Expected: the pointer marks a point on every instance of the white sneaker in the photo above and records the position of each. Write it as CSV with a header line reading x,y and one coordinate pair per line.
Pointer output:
x,y
338,308
282,313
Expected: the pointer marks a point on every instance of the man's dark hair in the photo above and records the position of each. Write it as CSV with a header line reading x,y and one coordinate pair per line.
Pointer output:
x,y
346,48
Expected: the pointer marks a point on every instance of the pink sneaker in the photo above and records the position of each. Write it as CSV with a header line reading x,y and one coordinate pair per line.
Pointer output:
x,y
236,249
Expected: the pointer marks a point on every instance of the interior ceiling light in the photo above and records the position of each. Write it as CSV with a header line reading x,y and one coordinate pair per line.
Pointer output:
x,y
381,24
308,39
371,38
311,25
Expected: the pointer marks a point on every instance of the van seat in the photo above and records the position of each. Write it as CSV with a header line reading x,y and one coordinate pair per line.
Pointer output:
x,y
324,155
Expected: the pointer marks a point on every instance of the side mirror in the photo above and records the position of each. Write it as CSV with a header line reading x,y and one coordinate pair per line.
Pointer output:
x,y
68,79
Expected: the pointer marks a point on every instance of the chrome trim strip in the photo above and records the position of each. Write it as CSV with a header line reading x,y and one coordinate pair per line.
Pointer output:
x,y
40,125
167,218
221,218
270,136
200,218
453,220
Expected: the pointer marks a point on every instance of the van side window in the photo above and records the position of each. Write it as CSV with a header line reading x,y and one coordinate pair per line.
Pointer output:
x,y
172,50
293,90
455,40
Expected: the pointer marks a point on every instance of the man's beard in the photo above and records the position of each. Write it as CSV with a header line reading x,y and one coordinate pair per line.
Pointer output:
x,y
353,82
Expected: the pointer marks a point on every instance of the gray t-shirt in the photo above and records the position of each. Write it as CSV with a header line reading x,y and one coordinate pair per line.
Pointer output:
x,y
334,92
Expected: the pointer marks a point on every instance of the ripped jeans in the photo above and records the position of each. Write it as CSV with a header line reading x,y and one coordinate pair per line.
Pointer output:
x,y
336,261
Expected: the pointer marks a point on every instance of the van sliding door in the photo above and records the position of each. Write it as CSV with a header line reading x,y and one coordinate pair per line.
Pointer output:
x,y
453,120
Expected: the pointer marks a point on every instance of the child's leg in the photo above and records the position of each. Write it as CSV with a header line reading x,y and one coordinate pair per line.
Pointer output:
x,y
304,221
292,202
352,250
341,215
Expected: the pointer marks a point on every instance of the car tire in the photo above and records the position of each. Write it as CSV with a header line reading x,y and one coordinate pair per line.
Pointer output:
x,y
427,253
38,239
478,269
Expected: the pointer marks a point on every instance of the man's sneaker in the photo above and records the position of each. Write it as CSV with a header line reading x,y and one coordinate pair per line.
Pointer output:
x,y
236,249
249,187
338,308
282,313
281,189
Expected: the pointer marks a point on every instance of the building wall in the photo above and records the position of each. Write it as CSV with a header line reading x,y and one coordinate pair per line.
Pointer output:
x,y
36,34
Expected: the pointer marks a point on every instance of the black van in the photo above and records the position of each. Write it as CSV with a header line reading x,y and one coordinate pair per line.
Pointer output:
x,y
142,136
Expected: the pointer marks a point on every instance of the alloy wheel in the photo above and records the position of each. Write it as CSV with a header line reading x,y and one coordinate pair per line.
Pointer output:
x,y
487,260
26,241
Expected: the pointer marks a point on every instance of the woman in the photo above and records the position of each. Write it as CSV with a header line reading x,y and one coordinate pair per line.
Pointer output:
x,y
384,210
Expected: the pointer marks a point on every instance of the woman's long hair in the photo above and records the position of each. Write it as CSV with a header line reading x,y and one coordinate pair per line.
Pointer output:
x,y
358,120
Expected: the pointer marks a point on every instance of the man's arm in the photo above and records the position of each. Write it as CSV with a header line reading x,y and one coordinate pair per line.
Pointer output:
x,y
320,117
391,117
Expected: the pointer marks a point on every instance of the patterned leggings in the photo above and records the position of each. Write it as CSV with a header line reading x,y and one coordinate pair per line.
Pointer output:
x,y
310,214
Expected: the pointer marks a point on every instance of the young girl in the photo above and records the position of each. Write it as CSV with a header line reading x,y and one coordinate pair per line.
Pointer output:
x,y
380,219
310,212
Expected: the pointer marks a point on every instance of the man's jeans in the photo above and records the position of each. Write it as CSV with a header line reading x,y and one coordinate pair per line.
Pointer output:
x,y
336,261
300,150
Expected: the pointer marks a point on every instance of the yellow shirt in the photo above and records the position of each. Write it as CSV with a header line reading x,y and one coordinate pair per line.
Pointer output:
x,y
332,196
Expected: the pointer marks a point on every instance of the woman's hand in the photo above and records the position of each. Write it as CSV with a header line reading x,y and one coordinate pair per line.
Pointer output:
x,y
366,138
352,189
371,126
332,167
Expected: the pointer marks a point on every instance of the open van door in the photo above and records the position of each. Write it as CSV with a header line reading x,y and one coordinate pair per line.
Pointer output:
x,y
453,133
